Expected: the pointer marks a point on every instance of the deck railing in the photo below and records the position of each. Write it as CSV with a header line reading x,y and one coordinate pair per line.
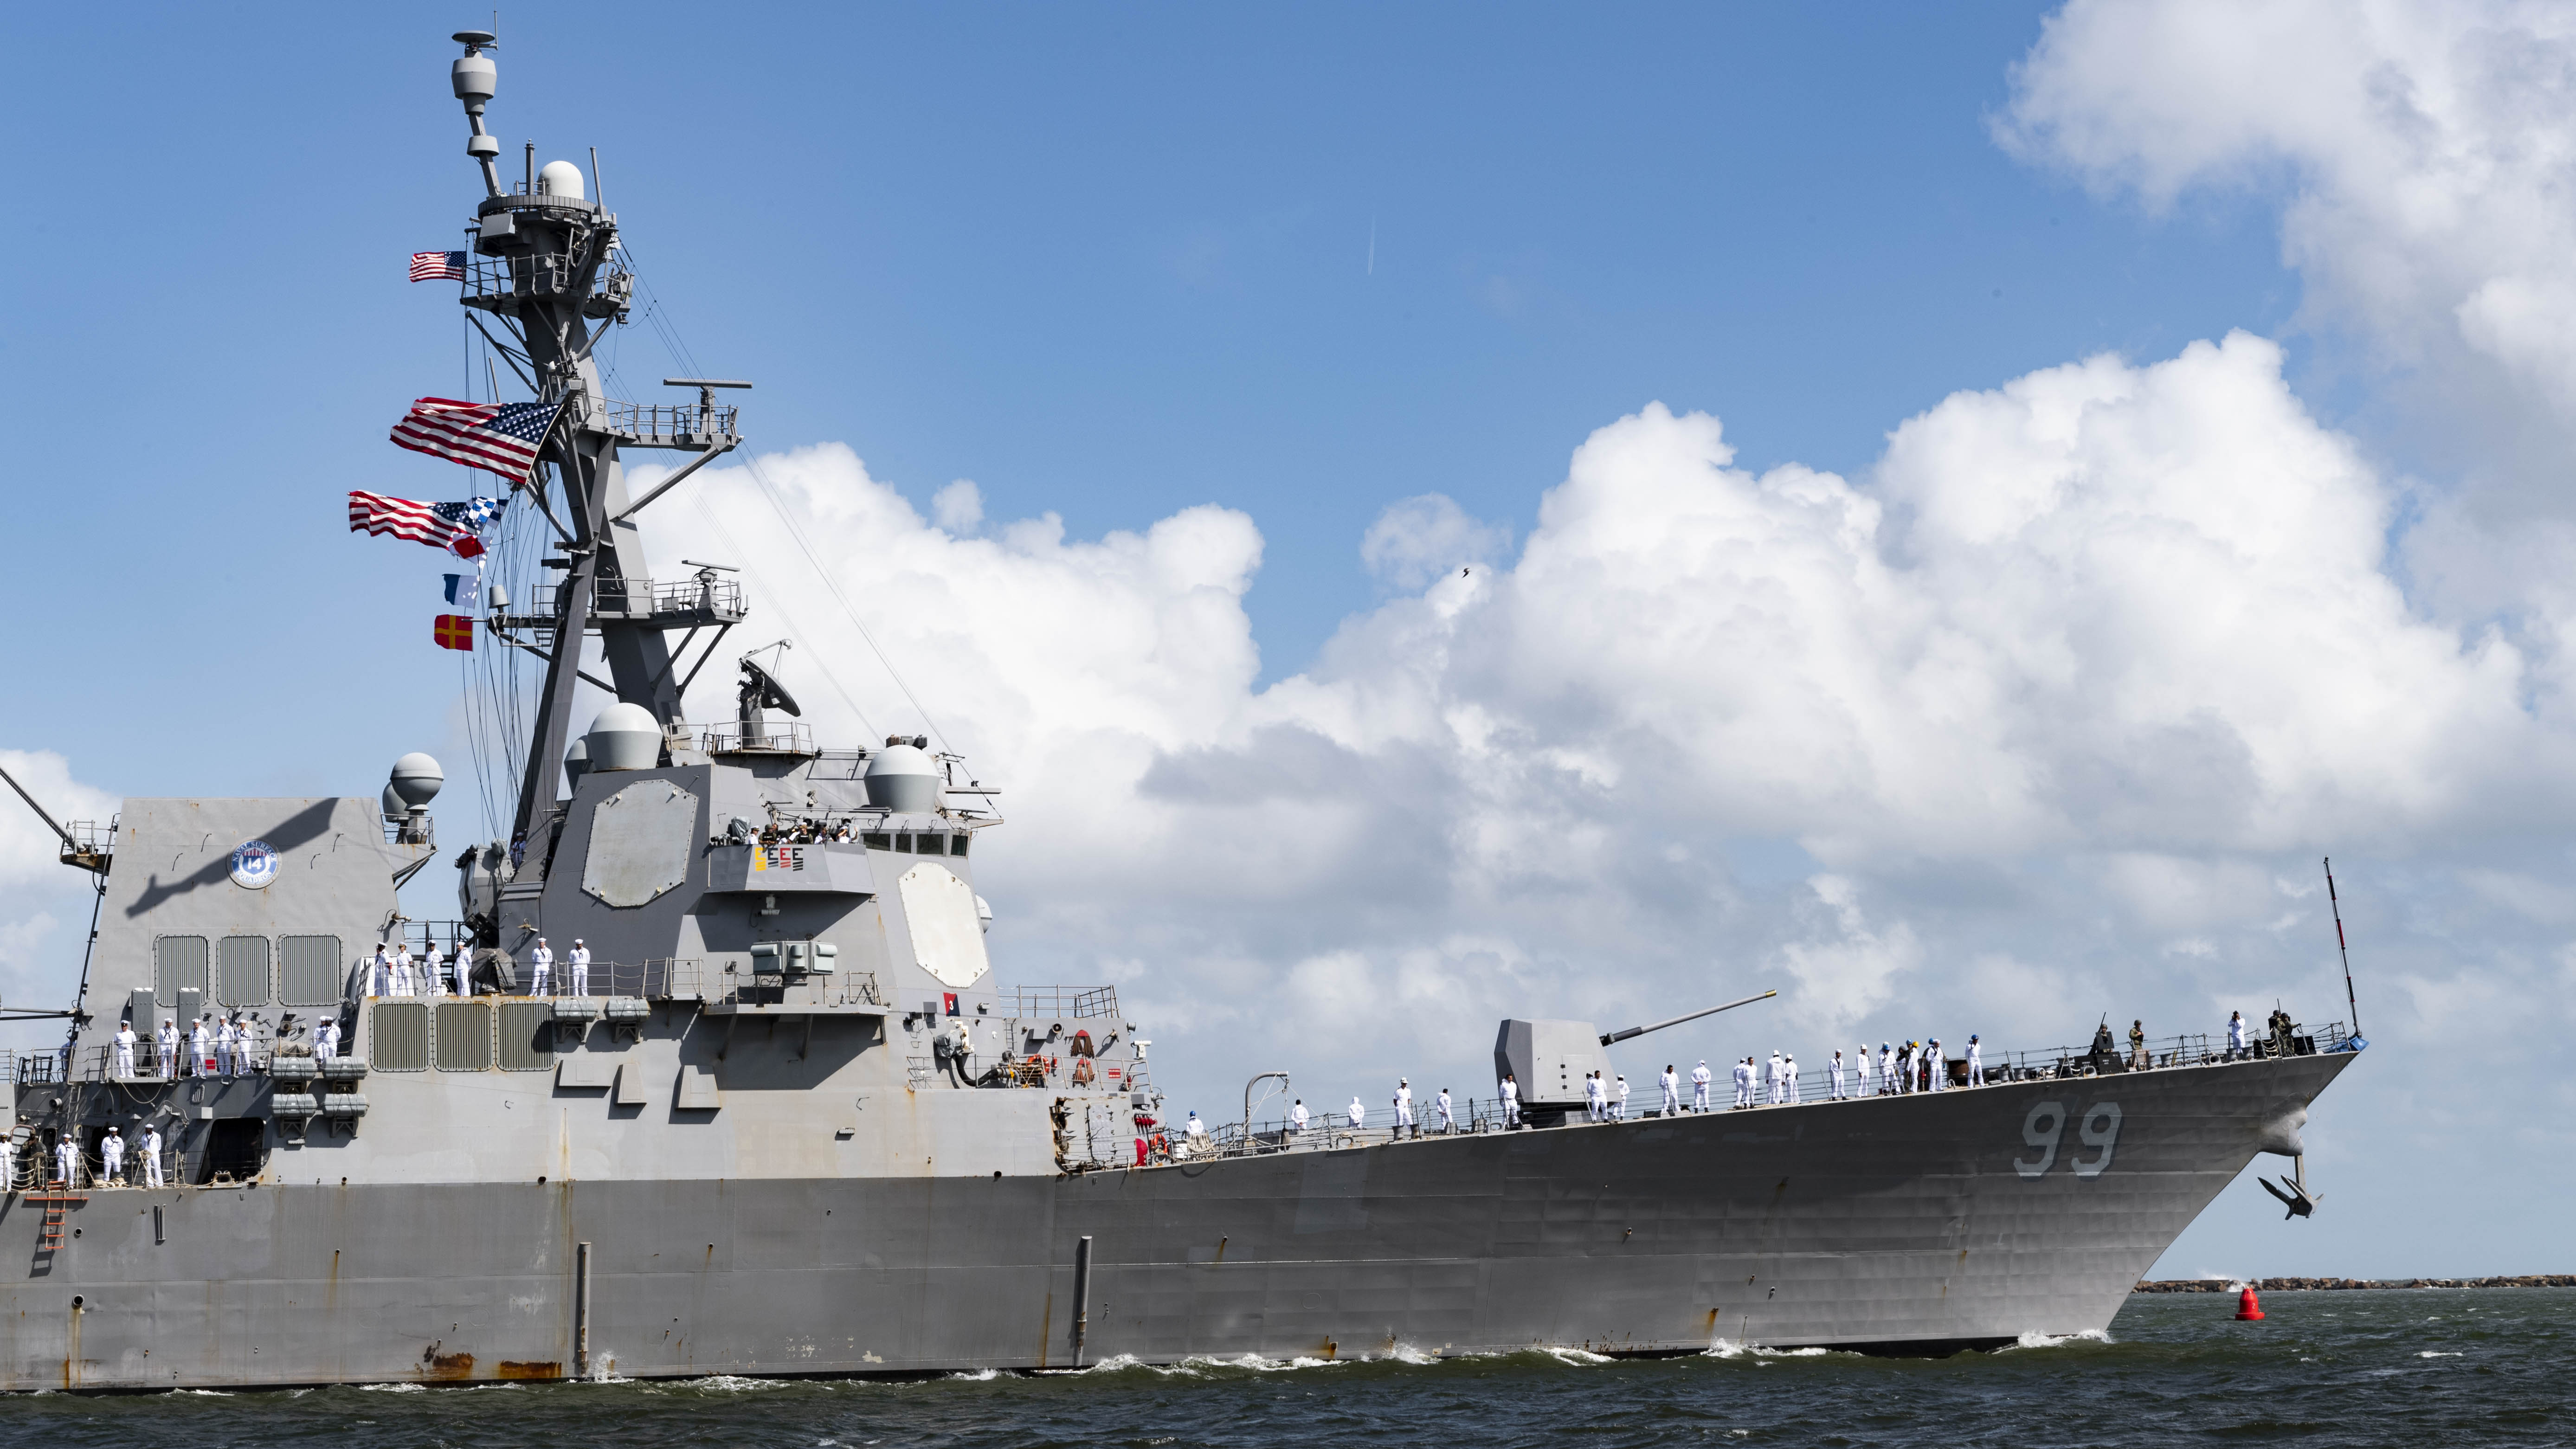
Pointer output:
x,y
1027,1002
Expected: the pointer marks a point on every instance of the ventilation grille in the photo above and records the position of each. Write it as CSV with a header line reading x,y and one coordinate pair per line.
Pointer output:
x,y
243,977
398,1038
178,964
309,971
464,1036
527,1036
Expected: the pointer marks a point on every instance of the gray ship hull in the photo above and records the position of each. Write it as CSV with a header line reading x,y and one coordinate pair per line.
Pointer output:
x,y
1912,1224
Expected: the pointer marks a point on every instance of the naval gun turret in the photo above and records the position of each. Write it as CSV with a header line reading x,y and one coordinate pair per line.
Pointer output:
x,y
1551,1059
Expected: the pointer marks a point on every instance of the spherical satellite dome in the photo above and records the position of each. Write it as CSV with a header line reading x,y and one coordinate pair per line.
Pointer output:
x,y
577,762
559,178
903,778
394,808
624,737
416,779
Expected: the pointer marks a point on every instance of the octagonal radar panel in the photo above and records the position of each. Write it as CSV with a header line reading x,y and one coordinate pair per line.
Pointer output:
x,y
639,842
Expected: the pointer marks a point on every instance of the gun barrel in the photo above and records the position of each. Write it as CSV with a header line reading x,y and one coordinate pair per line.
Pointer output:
x,y
1619,1036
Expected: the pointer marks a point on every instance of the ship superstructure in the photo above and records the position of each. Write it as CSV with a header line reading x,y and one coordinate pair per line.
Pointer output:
x,y
787,1122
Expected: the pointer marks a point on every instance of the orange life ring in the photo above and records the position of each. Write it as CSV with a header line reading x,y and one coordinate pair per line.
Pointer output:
x,y
1082,1071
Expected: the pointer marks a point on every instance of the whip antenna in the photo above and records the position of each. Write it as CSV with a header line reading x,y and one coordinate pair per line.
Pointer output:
x,y
2342,949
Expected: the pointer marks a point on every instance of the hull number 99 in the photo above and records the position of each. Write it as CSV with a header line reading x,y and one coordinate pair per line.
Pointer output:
x,y
2045,1128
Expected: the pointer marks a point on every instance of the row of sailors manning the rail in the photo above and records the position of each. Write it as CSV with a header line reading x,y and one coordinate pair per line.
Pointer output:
x,y
213,1046
71,1168
394,971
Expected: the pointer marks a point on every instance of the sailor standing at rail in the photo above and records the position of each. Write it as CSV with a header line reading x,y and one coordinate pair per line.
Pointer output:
x,y
326,1041
1297,1117
228,1041
152,1156
67,1160
1744,1082
1595,1104
1699,1086
434,967
167,1040
111,1153
1448,1115
579,960
197,1048
1359,1114
1623,1096
2235,1035
540,962
1772,1081
1510,1091
1834,1077
1789,1080
1976,1067
125,1048
1672,1086
1404,1107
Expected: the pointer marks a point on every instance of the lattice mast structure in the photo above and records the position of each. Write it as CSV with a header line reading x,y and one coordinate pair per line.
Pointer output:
x,y
547,269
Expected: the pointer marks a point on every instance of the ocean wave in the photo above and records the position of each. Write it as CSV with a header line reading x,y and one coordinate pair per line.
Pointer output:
x,y
1729,1348
730,1384
2436,1353
1575,1355
1255,1363
979,1376
2055,1340
386,1389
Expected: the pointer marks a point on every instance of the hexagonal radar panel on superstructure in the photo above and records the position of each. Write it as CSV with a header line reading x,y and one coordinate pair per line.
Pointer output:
x,y
639,842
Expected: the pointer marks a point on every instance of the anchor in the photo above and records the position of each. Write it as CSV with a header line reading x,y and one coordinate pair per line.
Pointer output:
x,y
2294,1193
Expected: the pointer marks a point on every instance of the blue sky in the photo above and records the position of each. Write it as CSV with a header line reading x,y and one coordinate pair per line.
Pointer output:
x,y
1107,265
2043,705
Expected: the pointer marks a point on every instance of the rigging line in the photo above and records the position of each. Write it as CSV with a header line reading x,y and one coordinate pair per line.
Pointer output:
x,y
777,600
680,352
508,355
807,548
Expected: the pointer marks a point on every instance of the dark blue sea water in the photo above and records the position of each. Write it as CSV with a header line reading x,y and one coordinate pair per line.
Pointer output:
x,y
2433,1368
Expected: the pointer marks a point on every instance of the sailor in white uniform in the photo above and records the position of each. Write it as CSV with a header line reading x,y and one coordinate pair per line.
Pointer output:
x,y
434,967
1359,1114
152,1156
200,1048
227,1043
1619,1108
8,1165
1510,1092
1593,1110
1448,1115
1940,1067
111,1153
1672,1086
326,1041
1700,1078
1297,1117
1193,1133
2235,1035
1834,1077
1744,1082
541,962
380,971
1404,1107
67,1161
579,960
1772,1080
1789,1079
125,1048
1976,1068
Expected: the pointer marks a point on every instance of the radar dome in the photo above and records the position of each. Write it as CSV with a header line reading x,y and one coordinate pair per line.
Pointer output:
x,y
559,178
624,737
393,803
903,778
416,780
576,762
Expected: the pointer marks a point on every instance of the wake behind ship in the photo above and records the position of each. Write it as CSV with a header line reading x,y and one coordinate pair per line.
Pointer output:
x,y
711,1072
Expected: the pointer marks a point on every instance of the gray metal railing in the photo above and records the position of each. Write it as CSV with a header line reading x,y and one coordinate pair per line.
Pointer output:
x,y
835,988
786,737
668,425
1057,1001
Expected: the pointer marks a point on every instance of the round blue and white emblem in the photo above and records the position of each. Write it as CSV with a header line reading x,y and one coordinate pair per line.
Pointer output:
x,y
254,865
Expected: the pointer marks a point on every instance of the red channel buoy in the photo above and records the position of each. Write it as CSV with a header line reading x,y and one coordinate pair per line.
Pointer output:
x,y
2247,1310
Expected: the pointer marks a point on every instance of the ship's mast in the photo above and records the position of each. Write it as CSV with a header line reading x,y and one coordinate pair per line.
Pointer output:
x,y
546,268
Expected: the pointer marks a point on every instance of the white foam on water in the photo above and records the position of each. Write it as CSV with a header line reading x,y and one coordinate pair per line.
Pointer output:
x,y
1728,1348
732,1384
1407,1353
220,1394
1575,1355
979,1376
1255,1363
2435,1353
2055,1340
371,1389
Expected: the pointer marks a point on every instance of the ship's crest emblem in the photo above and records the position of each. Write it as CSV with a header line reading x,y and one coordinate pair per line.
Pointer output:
x,y
254,865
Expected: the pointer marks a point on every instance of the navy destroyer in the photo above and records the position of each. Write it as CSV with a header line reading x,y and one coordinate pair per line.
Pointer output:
x,y
711,1072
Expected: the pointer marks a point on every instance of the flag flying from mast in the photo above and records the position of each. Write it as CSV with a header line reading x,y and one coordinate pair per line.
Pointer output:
x,y
426,523
438,266
453,631
499,437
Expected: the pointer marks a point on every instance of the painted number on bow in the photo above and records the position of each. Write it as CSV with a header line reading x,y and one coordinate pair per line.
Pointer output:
x,y
2045,1127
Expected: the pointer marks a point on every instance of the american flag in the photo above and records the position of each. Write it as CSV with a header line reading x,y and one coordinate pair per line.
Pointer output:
x,y
501,437
438,266
403,518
